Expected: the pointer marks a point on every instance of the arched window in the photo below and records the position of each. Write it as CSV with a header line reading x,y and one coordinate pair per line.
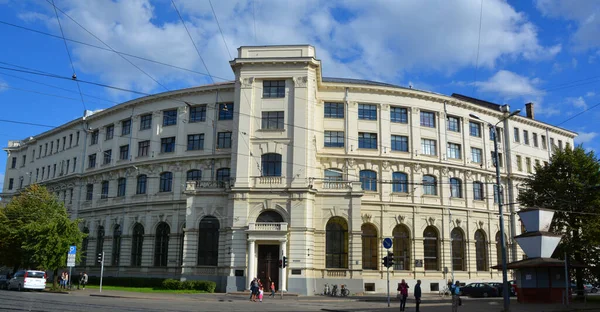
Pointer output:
x,y
194,175
401,247
481,251
116,247
84,246
208,241
161,244
455,188
368,179
137,245
166,182
336,243
333,175
399,182
429,185
369,246
223,175
269,216
271,165
141,184
458,249
431,248
99,243
478,193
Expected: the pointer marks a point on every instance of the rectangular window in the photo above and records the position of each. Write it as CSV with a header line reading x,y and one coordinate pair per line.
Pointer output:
x,y
367,140
74,163
195,142
143,148
552,144
428,147
453,124
104,190
67,166
198,113
11,181
107,157
516,131
475,129
124,152
89,192
24,160
399,143
13,163
537,162
48,176
519,163
428,119
110,132
367,111
121,187
169,117
334,138
493,157
70,140
94,138
334,110
45,149
535,139
544,143
526,137
64,143
167,145
560,144
273,88
398,114
272,120
92,161
51,147
145,121
528,164
77,139
40,151
224,140
126,127
43,172
454,151
33,156
477,191
476,154
226,111
54,171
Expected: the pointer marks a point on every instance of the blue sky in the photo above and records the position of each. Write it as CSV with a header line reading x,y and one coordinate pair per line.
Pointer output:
x,y
545,51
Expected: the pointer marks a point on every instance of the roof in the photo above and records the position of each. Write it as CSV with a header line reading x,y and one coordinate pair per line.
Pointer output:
x,y
479,102
539,263
359,81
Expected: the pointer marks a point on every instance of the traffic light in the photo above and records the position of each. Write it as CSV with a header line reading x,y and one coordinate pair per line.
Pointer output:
x,y
385,262
280,264
285,261
100,258
390,259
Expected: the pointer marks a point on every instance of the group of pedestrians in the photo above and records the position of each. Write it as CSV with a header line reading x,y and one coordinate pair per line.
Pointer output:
x,y
64,280
257,290
403,294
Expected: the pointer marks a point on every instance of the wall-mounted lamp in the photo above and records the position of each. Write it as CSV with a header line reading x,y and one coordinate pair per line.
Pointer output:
x,y
308,252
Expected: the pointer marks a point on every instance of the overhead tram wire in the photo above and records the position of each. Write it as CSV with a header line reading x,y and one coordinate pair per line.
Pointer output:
x,y
220,30
42,93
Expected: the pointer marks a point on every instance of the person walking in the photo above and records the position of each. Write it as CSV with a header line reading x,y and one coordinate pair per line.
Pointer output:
x,y
272,290
85,279
403,292
418,295
456,296
260,294
67,280
253,286
80,280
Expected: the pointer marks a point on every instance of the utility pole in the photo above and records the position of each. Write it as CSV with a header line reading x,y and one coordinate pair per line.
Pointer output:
x,y
101,258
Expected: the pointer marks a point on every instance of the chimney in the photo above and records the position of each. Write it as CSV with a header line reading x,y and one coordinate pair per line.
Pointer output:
x,y
529,110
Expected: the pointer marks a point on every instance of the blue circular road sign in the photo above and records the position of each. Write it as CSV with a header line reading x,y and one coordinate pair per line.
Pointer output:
x,y
387,243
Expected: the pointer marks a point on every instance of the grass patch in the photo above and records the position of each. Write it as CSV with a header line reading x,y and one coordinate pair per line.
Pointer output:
x,y
146,289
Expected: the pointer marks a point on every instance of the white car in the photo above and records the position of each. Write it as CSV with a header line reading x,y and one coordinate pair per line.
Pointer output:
x,y
28,279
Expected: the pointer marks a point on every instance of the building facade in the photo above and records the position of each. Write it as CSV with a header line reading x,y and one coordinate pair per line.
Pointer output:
x,y
219,182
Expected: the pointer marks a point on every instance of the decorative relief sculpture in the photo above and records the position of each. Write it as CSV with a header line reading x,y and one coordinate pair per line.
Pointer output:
x,y
246,83
400,218
385,164
431,221
366,218
301,81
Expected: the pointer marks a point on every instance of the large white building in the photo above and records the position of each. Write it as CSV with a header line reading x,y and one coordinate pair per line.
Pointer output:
x,y
220,181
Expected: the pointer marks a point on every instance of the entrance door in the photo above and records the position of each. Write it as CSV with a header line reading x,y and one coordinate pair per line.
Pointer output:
x,y
268,265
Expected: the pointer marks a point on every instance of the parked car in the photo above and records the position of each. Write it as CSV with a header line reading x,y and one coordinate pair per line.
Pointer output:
x,y
589,288
3,281
479,290
500,288
28,279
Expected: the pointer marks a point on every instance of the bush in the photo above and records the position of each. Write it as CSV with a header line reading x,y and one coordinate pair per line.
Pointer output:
x,y
207,286
172,284
126,281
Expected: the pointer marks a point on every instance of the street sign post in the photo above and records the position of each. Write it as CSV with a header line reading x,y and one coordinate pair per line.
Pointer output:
x,y
387,244
71,262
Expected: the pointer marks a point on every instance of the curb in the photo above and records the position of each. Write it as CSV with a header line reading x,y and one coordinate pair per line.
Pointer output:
x,y
127,297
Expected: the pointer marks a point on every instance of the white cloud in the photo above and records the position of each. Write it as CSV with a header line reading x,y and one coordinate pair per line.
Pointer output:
x,y
585,13
585,137
510,85
577,102
590,94
3,85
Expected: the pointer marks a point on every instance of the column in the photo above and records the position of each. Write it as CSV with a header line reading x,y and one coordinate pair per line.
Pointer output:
x,y
282,274
251,262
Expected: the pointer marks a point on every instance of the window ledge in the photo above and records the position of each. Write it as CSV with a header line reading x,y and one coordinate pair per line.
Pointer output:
x,y
479,200
333,117
192,150
166,153
400,193
429,156
108,139
334,147
106,164
141,157
169,125
273,97
400,152
430,196
165,193
367,149
271,130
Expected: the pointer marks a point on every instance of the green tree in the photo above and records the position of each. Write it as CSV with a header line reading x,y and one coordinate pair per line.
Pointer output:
x,y
36,231
568,185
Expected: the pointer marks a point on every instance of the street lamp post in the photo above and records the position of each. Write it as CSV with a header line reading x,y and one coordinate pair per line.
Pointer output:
x,y
494,128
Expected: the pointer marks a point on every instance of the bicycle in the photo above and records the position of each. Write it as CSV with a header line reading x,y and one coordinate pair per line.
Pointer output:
x,y
444,292
345,292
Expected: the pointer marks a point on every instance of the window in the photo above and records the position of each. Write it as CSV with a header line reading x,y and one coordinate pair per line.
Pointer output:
x,y
142,181
224,140
519,163
398,114
11,181
195,142
458,249
429,185
166,182
369,247
52,147
534,136
560,144
528,164
493,156
64,143
525,137
399,143
124,152
13,163
455,188
430,247
167,145
45,149
107,157
226,111
126,127
516,131
367,111
208,241
273,88
137,244
99,243
89,192
493,133
428,147
169,117
70,141
336,243
475,129
76,140
161,244
334,139
146,122
453,124
367,140
481,251
194,175
478,190
121,187
84,246
116,249
333,175
110,132
94,138
143,148
537,162
272,120
401,247
544,143
54,171
91,161
198,113
428,119
271,165
399,182
223,175
552,144
68,165
334,110
368,180
104,190
454,151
